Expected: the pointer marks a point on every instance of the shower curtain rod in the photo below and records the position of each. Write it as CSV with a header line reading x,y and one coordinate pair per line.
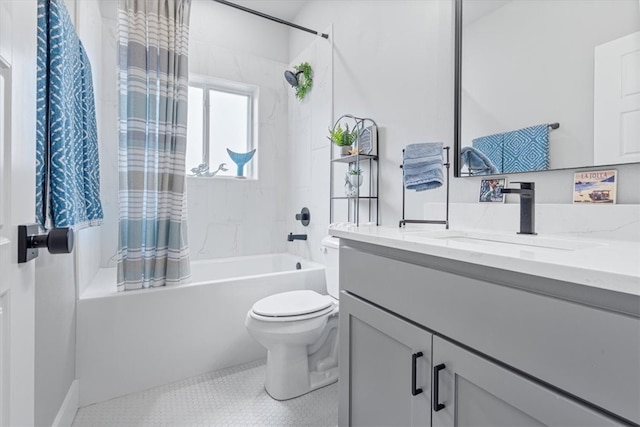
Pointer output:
x,y
272,18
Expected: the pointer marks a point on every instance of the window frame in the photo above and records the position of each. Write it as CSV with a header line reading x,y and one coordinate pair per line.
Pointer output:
x,y
208,83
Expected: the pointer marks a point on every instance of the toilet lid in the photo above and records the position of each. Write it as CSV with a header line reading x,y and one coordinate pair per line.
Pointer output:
x,y
294,303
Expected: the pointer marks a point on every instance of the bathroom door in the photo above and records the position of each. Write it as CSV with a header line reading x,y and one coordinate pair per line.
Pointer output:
x,y
616,127
17,206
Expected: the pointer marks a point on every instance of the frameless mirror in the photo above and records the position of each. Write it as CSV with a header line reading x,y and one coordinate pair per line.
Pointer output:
x,y
544,85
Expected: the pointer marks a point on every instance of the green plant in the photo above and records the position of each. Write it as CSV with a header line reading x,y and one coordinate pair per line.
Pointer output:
x,y
355,171
305,80
342,137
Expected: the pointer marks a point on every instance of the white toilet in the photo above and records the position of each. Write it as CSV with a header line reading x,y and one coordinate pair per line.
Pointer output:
x,y
300,331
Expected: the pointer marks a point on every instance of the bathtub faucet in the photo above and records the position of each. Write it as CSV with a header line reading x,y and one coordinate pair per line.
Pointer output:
x,y
291,237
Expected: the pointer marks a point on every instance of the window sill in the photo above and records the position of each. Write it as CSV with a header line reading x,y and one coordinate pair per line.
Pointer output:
x,y
223,178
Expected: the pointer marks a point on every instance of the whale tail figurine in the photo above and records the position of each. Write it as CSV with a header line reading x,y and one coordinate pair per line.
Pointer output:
x,y
241,159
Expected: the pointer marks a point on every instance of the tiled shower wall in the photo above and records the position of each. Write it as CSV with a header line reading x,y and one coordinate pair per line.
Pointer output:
x,y
308,156
234,217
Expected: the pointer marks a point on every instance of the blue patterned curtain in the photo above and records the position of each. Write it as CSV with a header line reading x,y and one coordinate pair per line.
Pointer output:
x,y
67,163
153,49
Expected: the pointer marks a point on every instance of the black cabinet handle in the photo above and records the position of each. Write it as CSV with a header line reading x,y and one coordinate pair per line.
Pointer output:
x,y
414,391
437,405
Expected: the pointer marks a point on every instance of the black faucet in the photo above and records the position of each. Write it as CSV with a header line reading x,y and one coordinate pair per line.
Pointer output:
x,y
291,237
527,192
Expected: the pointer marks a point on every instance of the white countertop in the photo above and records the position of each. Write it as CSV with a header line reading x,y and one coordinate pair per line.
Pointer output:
x,y
606,264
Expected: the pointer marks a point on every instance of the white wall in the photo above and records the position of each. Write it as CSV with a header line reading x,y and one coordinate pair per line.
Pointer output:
x,y
58,275
238,31
393,62
108,140
55,343
307,179
228,216
533,76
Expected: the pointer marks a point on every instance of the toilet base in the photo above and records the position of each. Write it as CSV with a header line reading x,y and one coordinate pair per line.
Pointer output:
x,y
279,390
295,371
323,379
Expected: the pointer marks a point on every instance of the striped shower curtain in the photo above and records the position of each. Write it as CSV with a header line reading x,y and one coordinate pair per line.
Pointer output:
x,y
153,83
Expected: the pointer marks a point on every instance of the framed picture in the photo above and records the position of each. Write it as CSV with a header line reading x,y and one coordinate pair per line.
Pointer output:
x,y
491,190
369,140
595,187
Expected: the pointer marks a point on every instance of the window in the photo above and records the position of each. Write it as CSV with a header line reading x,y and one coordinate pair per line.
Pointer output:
x,y
221,116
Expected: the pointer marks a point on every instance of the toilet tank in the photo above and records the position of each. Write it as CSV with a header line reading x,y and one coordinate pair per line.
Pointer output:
x,y
330,251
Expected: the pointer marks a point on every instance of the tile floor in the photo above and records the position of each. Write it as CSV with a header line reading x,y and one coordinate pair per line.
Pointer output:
x,y
231,397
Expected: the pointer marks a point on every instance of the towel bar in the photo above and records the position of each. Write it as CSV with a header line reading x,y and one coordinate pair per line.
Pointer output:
x,y
403,222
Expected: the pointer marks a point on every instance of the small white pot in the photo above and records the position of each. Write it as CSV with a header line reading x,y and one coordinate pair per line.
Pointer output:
x,y
355,180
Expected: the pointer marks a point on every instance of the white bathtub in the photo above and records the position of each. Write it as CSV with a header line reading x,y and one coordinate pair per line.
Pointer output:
x,y
134,340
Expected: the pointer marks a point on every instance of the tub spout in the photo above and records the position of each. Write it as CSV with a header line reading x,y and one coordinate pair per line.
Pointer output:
x,y
291,237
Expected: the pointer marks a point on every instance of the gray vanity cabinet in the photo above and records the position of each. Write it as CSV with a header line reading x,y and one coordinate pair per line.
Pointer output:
x,y
476,392
511,356
385,389
387,379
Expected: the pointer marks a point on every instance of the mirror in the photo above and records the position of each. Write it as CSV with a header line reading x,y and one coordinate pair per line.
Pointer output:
x,y
543,85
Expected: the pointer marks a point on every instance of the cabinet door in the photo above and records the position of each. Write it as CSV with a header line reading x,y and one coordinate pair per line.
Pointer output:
x,y
384,368
472,391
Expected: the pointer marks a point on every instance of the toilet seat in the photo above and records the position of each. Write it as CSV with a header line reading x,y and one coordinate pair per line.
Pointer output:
x,y
292,306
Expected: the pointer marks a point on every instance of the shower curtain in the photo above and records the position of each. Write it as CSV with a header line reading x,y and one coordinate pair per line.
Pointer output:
x,y
153,79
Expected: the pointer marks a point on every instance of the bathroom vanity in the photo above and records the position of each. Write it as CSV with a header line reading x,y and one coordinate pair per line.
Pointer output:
x,y
464,328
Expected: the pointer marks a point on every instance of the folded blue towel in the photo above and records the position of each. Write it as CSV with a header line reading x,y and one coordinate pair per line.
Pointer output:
x,y
422,166
413,164
477,162
423,150
526,149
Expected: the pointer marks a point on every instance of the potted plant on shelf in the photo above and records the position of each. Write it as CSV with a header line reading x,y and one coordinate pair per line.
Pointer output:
x,y
355,177
343,138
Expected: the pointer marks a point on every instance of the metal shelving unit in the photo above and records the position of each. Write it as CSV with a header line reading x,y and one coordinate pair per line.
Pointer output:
x,y
355,161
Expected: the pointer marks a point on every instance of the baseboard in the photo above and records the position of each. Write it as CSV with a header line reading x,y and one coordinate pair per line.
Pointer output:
x,y
69,407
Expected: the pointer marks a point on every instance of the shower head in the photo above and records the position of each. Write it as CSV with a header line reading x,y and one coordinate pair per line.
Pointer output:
x,y
292,78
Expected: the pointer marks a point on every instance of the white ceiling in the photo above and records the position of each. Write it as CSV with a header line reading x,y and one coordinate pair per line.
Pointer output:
x,y
289,9
283,9
474,10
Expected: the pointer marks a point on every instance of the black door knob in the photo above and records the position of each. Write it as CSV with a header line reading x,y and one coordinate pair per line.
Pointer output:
x,y
60,241
57,241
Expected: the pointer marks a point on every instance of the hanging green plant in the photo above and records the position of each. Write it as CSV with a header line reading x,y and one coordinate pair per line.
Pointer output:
x,y
305,79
